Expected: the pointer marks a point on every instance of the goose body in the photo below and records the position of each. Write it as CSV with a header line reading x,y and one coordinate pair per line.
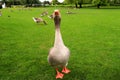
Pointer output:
x,y
59,56
44,13
50,16
38,20
59,53
69,12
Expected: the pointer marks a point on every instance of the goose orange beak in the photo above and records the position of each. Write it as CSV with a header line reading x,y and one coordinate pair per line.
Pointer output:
x,y
56,12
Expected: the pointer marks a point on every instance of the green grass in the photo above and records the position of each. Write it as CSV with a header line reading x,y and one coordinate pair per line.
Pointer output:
x,y
92,35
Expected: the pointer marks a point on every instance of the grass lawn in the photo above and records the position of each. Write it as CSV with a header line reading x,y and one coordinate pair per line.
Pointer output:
x,y
92,35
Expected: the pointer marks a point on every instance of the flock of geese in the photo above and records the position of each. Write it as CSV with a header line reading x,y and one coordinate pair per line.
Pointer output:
x,y
39,20
45,13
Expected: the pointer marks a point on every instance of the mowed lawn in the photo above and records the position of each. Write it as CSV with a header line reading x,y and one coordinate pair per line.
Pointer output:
x,y
92,35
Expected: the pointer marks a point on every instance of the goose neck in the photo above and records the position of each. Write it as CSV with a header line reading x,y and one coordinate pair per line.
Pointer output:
x,y
58,38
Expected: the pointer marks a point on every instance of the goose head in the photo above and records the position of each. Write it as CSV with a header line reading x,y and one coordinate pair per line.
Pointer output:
x,y
57,18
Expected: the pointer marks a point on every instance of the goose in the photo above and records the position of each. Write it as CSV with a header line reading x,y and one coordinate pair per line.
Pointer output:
x,y
50,16
44,13
69,12
59,54
38,20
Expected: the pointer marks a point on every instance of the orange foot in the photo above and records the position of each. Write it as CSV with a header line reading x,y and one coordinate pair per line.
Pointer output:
x,y
59,75
65,70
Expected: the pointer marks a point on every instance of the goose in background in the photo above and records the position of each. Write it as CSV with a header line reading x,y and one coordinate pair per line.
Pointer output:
x,y
59,54
69,12
39,20
44,13
50,16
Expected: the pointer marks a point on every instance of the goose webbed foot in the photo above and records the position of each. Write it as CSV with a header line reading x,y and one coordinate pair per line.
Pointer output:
x,y
59,75
65,70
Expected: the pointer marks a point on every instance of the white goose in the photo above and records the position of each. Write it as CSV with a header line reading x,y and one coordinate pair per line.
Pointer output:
x,y
59,54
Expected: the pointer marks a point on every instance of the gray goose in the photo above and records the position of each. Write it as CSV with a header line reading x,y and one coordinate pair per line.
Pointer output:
x,y
44,13
51,16
59,53
69,12
38,20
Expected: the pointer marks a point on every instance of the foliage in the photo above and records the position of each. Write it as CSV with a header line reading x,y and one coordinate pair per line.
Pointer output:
x,y
76,1
99,3
105,2
55,1
22,1
0,6
69,1
96,1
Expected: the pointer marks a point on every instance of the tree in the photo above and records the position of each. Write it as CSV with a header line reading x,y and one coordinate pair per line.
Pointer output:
x,y
115,1
76,3
99,3
55,2
23,2
29,3
69,1
96,2
0,5
80,3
